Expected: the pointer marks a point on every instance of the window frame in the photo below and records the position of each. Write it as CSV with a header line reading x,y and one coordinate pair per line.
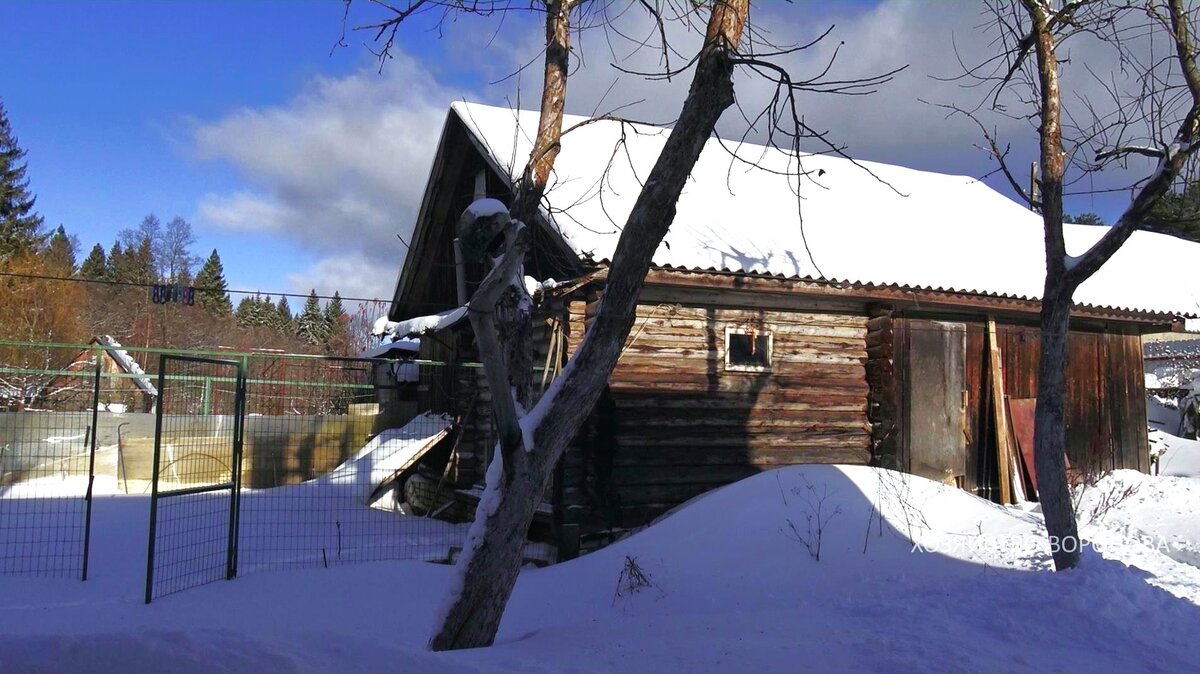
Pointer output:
x,y
749,332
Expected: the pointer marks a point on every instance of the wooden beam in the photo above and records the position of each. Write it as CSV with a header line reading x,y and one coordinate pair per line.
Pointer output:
x,y
1004,461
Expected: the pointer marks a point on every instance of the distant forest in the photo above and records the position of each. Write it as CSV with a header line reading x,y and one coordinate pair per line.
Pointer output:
x,y
49,294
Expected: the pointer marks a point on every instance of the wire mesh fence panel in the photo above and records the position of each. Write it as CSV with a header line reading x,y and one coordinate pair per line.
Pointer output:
x,y
47,458
328,445
343,459
196,468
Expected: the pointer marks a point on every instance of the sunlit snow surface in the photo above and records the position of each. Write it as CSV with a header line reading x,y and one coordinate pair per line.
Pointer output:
x,y
732,588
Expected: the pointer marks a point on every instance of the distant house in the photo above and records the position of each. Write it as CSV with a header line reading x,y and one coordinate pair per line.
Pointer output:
x,y
852,330
125,386
1172,361
1172,376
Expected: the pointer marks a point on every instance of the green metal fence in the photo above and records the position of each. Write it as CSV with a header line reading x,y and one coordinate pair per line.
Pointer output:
x,y
303,421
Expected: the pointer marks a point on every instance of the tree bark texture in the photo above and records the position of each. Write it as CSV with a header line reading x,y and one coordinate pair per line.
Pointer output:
x,y
548,141
491,567
1050,436
1064,274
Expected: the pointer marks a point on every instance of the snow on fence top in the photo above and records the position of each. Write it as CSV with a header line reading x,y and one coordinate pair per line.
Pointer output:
x,y
902,228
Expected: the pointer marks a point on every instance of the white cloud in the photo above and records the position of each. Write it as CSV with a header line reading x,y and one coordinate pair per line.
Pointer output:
x,y
351,274
339,169
243,211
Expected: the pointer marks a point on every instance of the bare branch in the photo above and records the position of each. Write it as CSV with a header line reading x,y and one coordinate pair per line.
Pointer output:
x,y
1172,161
1143,150
993,149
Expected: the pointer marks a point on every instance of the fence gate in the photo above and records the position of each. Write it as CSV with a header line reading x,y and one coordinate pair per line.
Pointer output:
x,y
196,475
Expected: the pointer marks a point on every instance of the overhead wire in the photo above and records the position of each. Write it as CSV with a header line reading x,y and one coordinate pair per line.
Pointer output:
x,y
144,284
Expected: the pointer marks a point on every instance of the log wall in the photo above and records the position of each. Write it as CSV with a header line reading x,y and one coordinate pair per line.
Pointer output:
x,y
677,422
884,398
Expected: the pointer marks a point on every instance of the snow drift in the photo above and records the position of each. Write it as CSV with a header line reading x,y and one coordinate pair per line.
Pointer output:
x,y
912,575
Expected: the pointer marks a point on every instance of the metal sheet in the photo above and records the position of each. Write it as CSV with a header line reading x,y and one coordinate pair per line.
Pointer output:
x,y
1022,411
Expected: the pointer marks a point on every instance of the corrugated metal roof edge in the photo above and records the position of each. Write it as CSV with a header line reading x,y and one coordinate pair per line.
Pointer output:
x,y
1139,312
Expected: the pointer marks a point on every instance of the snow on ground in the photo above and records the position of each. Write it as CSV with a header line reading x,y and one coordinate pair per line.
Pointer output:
x,y
1181,457
1163,510
731,585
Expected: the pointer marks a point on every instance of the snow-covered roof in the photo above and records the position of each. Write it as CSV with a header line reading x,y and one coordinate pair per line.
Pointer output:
x,y
389,347
869,223
127,363
423,325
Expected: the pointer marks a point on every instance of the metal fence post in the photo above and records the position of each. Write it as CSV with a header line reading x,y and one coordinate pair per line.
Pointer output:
x,y
158,415
95,431
235,506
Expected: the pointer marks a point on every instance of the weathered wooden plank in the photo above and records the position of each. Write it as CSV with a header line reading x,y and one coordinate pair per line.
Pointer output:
x,y
637,515
626,382
752,439
719,286
664,495
832,325
935,355
751,421
683,474
975,365
1004,456
783,344
700,350
798,453
876,338
703,406
702,295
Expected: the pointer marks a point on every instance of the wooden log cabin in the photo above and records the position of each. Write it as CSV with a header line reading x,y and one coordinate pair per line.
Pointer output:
x,y
798,311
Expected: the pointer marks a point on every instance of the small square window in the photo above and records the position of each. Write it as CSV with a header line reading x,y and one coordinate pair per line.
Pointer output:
x,y
747,350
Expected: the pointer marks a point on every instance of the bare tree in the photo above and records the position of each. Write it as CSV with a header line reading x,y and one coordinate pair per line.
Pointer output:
x,y
173,251
1151,109
531,442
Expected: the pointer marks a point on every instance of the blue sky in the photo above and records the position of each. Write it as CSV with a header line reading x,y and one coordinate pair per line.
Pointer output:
x,y
104,96
301,166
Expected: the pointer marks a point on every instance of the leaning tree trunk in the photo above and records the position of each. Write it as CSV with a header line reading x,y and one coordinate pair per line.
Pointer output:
x,y
503,336
517,479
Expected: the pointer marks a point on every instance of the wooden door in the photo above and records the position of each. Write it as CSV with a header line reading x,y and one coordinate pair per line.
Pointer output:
x,y
936,399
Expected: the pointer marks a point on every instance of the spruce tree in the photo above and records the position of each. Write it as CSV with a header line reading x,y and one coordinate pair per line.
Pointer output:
x,y
95,265
212,289
253,312
335,313
310,324
133,263
60,252
246,311
281,319
336,322
20,225
116,262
